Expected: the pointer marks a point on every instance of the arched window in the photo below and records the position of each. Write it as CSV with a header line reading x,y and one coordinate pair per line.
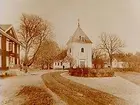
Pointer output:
x,y
82,49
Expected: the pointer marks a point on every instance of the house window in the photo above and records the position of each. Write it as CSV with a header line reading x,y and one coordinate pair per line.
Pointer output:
x,y
0,61
10,31
13,47
7,45
70,50
0,42
82,49
61,63
17,60
14,60
17,49
7,61
10,46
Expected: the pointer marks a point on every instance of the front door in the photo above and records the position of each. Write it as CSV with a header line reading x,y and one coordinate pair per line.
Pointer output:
x,y
82,63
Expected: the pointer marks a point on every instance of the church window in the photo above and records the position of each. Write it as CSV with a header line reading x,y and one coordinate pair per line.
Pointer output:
x,y
82,49
81,38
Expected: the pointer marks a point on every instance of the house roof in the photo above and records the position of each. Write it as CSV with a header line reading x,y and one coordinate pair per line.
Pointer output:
x,y
3,30
119,57
79,36
61,56
5,27
116,59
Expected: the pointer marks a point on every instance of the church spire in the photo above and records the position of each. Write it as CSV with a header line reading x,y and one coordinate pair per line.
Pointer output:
x,y
78,22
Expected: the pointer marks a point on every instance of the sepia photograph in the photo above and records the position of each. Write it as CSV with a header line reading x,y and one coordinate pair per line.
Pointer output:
x,y
69,52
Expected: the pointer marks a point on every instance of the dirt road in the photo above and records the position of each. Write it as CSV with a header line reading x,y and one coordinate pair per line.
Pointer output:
x,y
77,94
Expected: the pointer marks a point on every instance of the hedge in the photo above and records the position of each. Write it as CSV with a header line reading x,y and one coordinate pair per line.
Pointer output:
x,y
88,72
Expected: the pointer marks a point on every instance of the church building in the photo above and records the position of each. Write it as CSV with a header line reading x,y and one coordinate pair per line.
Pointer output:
x,y
79,47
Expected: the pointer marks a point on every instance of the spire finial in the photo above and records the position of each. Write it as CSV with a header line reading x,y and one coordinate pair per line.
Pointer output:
x,y
78,22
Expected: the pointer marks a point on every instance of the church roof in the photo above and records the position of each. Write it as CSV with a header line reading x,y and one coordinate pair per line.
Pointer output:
x,y
79,36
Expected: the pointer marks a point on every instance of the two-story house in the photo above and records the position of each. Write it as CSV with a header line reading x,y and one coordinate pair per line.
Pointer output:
x,y
9,47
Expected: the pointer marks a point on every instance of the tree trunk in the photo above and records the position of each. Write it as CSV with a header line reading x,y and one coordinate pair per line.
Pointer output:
x,y
26,69
48,66
42,66
25,66
111,61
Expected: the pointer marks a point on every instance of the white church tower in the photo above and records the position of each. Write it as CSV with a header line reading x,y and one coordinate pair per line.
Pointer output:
x,y
80,48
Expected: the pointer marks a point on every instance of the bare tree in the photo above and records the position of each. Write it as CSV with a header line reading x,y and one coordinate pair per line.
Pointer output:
x,y
97,53
46,53
110,44
33,31
133,61
71,60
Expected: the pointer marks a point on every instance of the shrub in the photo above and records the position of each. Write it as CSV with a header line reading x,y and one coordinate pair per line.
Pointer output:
x,y
78,72
88,72
85,72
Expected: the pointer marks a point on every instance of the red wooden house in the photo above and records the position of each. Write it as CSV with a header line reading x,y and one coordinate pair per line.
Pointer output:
x,y
9,47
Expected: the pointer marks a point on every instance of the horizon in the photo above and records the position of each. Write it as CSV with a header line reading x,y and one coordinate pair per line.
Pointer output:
x,y
119,17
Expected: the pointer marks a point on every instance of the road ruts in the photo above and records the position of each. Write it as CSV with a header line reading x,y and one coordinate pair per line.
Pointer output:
x,y
77,94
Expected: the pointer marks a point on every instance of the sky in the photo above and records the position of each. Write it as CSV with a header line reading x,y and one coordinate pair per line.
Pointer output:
x,y
120,17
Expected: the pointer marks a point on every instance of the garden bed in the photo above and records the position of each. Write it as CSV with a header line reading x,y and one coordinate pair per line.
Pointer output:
x,y
35,96
88,72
